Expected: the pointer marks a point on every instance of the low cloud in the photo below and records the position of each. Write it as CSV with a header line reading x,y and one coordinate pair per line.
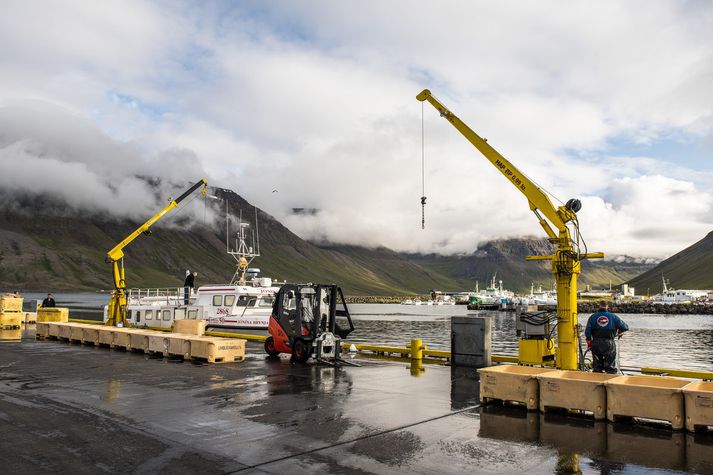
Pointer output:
x,y
312,105
45,150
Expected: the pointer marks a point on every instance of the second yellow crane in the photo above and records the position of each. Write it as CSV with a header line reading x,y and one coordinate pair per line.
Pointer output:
x,y
566,260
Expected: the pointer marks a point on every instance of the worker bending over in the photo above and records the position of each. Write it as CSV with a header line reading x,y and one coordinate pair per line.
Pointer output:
x,y
602,328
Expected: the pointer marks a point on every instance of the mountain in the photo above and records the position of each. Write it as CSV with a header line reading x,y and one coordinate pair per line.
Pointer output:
x,y
506,257
692,268
45,246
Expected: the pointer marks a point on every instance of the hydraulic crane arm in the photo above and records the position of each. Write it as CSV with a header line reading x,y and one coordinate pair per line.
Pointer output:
x,y
539,202
118,251
566,265
117,303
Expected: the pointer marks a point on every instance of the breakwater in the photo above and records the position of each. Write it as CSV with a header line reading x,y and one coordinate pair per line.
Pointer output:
x,y
648,307
582,307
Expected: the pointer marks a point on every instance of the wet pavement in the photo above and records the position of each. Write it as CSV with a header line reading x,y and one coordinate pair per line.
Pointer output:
x,y
81,409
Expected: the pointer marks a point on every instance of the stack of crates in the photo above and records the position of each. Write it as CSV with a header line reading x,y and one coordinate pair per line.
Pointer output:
x,y
11,315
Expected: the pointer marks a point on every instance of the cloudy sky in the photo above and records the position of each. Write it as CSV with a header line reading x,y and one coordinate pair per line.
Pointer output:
x,y
609,102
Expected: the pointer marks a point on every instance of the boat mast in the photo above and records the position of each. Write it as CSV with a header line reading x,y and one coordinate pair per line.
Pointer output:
x,y
242,253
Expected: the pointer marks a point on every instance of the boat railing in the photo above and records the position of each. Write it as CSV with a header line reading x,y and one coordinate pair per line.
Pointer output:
x,y
168,295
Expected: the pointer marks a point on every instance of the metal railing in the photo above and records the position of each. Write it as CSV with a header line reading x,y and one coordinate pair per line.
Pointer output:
x,y
167,295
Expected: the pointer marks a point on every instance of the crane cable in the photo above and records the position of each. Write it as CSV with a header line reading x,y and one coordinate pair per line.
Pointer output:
x,y
423,174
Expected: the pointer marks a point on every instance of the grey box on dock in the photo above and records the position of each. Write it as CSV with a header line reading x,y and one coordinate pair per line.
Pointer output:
x,y
471,341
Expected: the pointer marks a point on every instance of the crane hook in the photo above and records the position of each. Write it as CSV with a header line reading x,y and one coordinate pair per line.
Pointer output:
x,y
423,212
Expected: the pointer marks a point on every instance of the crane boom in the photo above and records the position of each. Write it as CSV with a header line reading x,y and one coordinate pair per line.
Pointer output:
x,y
536,197
566,265
117,303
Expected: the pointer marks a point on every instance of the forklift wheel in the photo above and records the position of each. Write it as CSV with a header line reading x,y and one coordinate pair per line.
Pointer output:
x,y
270,347
300,351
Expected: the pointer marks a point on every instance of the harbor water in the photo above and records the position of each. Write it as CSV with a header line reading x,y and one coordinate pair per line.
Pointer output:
x,y
667,341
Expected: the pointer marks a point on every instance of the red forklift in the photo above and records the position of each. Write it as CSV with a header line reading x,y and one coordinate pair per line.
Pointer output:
x,y
309,320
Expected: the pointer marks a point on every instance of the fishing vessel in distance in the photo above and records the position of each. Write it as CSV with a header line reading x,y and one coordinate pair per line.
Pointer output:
x,y
244,304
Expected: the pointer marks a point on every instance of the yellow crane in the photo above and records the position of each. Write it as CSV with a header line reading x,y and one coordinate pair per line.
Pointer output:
x,y
117,303
566,260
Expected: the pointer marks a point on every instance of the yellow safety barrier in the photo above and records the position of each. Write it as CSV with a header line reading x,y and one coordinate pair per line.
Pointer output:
x,y
679,373
242,336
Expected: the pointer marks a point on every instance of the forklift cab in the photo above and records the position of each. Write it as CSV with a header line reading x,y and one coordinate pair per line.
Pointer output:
x,y
308,319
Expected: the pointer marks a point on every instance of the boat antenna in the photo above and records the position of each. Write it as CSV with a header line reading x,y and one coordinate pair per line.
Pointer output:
x,y
423,174
257,233
227,228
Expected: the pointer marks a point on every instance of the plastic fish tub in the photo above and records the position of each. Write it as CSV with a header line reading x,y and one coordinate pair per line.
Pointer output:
x,y
30,317
11,318
53,314
190,327
11,304
121,338
218,350
698,400
511,383
576,390
169,344
65,330
10,334
42,330
140,340
106,335
90,334
651,397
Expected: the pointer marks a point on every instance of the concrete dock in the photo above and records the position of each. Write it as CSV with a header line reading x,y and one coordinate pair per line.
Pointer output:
x,y
81,409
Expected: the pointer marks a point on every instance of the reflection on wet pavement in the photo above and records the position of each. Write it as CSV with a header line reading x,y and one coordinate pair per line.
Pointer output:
x,y
67,406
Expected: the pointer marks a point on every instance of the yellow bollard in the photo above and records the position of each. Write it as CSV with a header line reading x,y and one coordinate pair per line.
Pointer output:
x,y
417,348
417,368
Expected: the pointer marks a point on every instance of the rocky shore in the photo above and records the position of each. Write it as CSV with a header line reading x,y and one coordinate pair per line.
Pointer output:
x,y
648,307
582,307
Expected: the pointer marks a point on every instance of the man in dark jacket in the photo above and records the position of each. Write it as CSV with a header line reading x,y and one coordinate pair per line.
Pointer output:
x,y
188,286
48,302
602,328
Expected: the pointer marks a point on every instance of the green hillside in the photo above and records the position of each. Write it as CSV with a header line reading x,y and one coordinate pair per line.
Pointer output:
x,y
45,247
691,268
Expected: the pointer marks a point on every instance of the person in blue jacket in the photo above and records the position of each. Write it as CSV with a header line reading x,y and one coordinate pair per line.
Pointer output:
x,y
602,328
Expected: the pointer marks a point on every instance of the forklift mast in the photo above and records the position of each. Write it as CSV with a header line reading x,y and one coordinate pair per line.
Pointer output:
x,y
306,310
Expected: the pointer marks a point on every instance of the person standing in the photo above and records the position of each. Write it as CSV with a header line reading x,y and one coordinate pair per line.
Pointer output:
x,y
188,286
602,327
49,302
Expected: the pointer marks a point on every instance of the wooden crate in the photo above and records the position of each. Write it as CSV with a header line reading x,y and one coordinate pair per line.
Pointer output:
x,y
53,314
10,304
217,350
190,327
650,397
11,318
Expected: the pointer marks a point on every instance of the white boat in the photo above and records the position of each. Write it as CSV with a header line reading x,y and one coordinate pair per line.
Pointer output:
x,y
491,295
670,296
243,304
407,302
